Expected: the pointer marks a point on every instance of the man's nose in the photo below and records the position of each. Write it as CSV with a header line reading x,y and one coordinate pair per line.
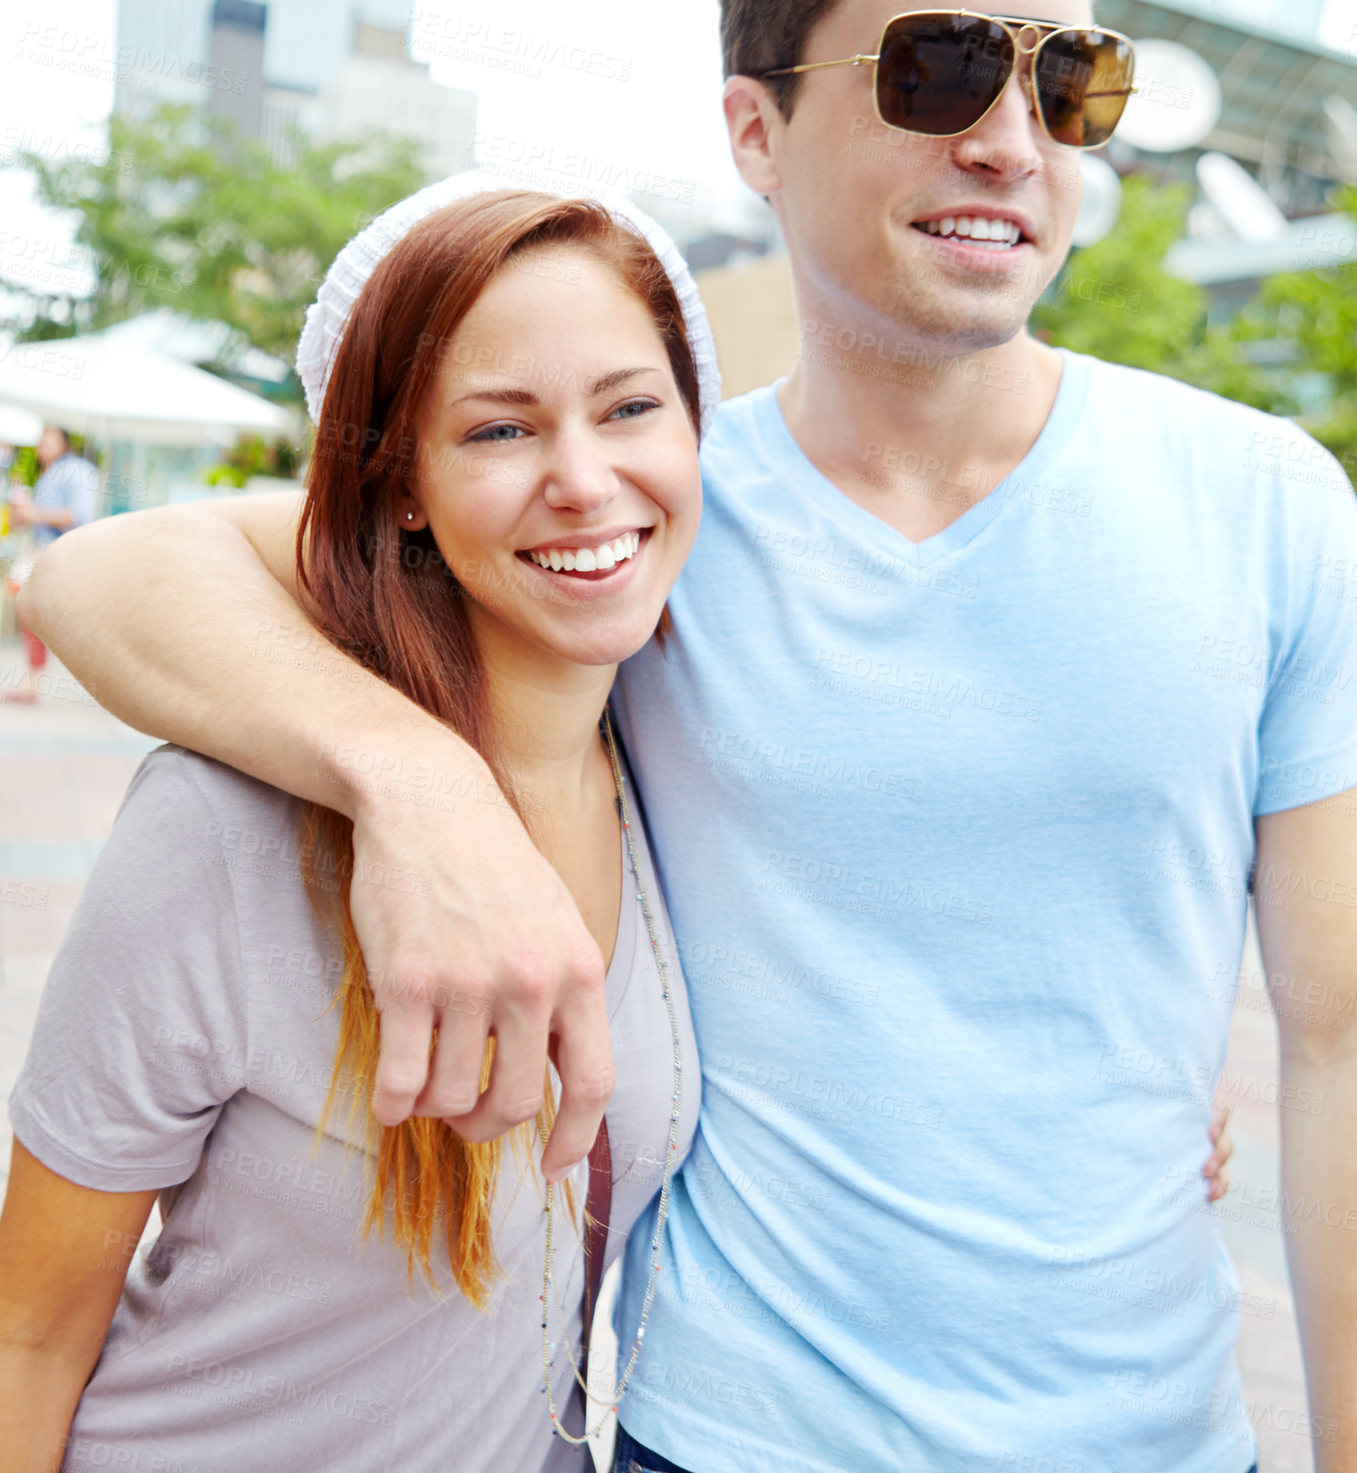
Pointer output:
x,y
1004,143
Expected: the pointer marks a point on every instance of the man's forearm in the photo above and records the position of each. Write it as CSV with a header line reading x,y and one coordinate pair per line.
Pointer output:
x,y
1319,1183
172,621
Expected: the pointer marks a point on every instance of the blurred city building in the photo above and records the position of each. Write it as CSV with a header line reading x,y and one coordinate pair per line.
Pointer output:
x,y
335,71
1284,95
328,70
1274,147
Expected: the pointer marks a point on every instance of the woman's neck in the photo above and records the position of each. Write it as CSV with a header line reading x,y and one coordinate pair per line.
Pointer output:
x,y
546,715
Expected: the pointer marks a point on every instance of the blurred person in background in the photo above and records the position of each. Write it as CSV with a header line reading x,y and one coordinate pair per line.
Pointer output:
x,y
66,496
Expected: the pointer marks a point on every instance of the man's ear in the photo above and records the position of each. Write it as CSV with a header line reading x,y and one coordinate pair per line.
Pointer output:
x,y
754,124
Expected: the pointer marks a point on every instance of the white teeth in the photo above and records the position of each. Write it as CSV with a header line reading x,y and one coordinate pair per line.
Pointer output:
x,y
589,559
977,229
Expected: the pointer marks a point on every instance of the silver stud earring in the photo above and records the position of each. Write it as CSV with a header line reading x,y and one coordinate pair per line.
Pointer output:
x,y
409,516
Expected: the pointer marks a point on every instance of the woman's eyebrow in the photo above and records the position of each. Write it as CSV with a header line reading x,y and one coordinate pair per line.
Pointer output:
x,y
500,396
604,385
612,381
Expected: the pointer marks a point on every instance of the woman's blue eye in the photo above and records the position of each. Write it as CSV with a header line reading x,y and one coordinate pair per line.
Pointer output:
x,y
633,409
497,433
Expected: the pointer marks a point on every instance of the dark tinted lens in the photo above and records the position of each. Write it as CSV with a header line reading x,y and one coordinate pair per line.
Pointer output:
x,y
1083,80
940,71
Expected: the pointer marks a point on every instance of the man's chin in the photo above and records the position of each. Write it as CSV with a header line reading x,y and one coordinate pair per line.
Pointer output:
x,y
950,328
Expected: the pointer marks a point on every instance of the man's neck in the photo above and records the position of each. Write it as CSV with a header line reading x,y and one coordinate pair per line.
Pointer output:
x,y
918,435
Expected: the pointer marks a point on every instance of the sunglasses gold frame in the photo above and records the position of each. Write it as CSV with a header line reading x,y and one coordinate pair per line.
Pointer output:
x,y
1024,64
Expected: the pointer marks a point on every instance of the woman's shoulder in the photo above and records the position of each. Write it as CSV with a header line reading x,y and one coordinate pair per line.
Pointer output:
x,y
184,810
186,790
217,785
205,861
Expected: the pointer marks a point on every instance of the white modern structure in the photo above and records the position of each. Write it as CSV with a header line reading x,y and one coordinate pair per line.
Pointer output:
x,y
326,68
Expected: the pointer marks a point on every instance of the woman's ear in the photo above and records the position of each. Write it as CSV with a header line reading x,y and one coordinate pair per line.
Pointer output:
x,y
409,514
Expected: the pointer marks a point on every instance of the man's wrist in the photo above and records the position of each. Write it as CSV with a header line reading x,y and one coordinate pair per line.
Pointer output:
x,y
380,773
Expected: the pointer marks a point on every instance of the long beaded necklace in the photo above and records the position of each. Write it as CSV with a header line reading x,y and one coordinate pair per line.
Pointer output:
x,y
550,1291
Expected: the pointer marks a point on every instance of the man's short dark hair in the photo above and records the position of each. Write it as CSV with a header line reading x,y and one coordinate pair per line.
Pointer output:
x,y
759,35
58,430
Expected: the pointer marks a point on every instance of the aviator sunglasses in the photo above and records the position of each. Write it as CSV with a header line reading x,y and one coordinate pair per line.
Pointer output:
x,y
939,72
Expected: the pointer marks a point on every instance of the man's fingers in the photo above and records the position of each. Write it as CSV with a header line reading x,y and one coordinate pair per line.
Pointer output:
x,y
454,1083
518,1079
403,1064
1223,1148
584,1060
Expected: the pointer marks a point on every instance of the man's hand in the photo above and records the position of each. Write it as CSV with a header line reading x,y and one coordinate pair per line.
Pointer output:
x,y
442,884
183,621
1222,1148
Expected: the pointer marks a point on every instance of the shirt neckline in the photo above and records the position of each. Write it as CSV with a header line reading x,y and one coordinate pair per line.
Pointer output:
x,y
1066,411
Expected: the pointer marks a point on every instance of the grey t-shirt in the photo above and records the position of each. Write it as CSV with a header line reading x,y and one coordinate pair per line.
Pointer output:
x,y
185,1042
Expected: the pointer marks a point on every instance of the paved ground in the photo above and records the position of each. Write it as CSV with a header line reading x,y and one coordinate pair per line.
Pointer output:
x,y
65,764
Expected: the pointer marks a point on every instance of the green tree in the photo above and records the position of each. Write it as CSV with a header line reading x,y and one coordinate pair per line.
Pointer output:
x,y
1116,301
1317,310
185,214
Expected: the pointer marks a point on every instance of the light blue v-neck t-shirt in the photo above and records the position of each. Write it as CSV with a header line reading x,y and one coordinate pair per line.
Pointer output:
x,y
957,839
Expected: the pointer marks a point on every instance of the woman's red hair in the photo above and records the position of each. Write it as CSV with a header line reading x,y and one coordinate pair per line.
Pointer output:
x,y
388,599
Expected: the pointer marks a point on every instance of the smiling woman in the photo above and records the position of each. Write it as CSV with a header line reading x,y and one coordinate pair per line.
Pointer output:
x,y
549,407
504,489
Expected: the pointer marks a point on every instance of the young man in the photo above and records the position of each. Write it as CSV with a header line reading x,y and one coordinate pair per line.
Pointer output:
x,y
997,677
66,496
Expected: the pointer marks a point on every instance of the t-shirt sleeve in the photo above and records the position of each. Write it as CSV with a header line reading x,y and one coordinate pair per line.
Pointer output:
x,y
141,1034
1307,734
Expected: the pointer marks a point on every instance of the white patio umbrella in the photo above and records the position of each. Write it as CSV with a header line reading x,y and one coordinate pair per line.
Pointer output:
x,y
19,426
118,391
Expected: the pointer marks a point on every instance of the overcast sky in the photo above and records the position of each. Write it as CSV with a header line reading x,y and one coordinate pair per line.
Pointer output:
x,y
627,87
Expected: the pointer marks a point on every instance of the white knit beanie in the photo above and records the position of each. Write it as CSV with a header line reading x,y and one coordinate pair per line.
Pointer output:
x,y
328,315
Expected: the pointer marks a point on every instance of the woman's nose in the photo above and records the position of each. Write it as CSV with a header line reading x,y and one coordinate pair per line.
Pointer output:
x,y
580,475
